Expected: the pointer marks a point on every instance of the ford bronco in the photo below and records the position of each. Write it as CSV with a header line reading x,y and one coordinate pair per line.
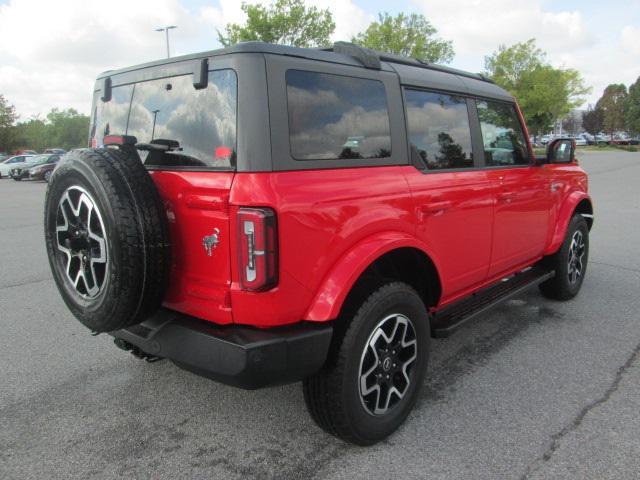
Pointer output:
x,y
264,214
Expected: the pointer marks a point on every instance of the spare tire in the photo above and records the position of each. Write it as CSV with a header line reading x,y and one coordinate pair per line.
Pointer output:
x,y
107,238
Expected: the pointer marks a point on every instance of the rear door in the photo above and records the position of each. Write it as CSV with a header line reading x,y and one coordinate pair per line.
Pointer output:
x,y
453,199
194,176
522,199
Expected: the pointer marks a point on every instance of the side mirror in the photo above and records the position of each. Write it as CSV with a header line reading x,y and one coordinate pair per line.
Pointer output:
x,y
561,150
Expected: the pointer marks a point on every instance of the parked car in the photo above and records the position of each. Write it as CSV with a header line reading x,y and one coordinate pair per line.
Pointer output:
x,y
21,171
263,214
57,151
26,152
44,169
7,165
603,139
580,140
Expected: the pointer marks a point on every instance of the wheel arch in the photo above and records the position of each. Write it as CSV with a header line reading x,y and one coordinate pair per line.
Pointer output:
x,y
378,259
578,202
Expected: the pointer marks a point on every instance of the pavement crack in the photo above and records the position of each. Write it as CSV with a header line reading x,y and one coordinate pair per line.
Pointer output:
x,y
613,265
577,421
26,282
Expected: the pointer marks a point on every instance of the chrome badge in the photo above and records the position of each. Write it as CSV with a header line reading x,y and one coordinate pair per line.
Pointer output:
x,y
210,242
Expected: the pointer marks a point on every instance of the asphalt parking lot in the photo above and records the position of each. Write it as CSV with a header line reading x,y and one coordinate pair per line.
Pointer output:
x,y
534,389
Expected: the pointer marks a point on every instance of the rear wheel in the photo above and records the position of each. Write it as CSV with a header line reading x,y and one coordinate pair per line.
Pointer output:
x,y
569,263
376,369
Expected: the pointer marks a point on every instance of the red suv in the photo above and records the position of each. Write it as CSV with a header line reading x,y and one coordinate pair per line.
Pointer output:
x,y
265,214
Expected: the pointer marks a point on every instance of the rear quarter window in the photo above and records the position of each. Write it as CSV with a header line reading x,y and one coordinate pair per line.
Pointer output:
x,y
336,117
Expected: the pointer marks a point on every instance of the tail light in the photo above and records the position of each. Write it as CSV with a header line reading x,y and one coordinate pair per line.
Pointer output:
x,y
258,248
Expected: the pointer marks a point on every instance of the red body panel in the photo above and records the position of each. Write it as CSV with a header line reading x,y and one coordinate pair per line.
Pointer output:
x,y
477,226
196,204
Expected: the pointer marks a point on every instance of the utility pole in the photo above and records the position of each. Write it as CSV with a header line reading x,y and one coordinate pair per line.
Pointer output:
x,y
166,31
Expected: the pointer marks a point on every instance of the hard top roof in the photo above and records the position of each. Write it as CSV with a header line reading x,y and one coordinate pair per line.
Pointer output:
x,y
410,70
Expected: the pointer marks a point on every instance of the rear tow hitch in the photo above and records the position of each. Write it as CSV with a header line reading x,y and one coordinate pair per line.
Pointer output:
x,y
135,351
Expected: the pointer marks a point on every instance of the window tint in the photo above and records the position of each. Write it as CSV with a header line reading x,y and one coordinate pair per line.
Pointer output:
x,y
439,129
504,142
203,122
336,117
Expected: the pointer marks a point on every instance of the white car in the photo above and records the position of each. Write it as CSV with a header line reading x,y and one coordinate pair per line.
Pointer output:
x,y
580,141
11,162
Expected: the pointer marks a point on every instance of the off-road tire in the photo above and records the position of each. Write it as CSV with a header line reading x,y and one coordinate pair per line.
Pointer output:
x,y
136,234
332,395
560,287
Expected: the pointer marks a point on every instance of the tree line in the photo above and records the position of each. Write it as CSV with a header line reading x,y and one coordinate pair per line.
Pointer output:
x,y
617,110
546,94
58,129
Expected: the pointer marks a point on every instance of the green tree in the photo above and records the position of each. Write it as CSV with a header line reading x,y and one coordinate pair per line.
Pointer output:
x,y
408,35
592,120
7,117
287,22
61,128
612,103
632,108
545,93
67,128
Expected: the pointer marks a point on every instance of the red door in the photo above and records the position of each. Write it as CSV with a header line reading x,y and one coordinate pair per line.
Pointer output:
x,y
521,219
454,213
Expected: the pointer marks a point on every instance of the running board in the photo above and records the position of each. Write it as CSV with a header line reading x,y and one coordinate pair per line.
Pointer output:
x,y
447,320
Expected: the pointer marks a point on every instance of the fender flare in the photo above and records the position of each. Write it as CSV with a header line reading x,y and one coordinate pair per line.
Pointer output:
x,y
336,285
562,220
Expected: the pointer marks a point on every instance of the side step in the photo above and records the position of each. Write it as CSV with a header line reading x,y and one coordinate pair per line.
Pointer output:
x,y
447,320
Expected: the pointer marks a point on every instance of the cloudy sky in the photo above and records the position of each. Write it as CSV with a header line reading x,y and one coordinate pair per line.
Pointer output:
x,y
51,50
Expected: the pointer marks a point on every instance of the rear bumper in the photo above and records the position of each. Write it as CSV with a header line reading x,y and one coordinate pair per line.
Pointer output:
x,y
236,355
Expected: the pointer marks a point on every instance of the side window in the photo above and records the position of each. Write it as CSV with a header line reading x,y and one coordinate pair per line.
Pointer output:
x,y
336,117
439,129
502,135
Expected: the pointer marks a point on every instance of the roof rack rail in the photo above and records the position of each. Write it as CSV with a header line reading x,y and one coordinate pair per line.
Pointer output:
x,y
372,59
367,57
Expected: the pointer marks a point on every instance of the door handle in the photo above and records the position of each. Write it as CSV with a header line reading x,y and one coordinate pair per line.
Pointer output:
x,y
436,208
506,197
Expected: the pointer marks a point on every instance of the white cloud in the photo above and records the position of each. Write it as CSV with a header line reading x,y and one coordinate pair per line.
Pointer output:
x,y
630,40
479,26
606,54
53,62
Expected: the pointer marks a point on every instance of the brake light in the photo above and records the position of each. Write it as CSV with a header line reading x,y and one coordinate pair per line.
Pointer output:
x,y
258,248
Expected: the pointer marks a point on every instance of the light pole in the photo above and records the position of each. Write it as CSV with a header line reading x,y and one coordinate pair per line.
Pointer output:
x,y
153,130
166,31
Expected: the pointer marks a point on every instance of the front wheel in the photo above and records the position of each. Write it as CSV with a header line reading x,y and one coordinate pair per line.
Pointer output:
x,y
47,176
569,263
376,369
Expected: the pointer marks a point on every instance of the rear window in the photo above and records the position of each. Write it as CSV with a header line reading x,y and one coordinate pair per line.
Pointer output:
x,y
202,122
336,117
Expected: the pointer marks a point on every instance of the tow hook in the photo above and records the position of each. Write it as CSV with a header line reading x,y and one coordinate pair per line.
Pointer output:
x,y
135,351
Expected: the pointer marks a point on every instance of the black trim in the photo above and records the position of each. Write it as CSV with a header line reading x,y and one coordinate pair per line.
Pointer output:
x,y
235,355
450,318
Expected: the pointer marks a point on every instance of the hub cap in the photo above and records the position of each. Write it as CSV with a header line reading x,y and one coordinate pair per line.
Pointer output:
x,y
575,266
81,237
387,363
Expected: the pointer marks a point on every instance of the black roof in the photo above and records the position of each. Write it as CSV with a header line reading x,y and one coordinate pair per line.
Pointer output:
x,y
409,69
